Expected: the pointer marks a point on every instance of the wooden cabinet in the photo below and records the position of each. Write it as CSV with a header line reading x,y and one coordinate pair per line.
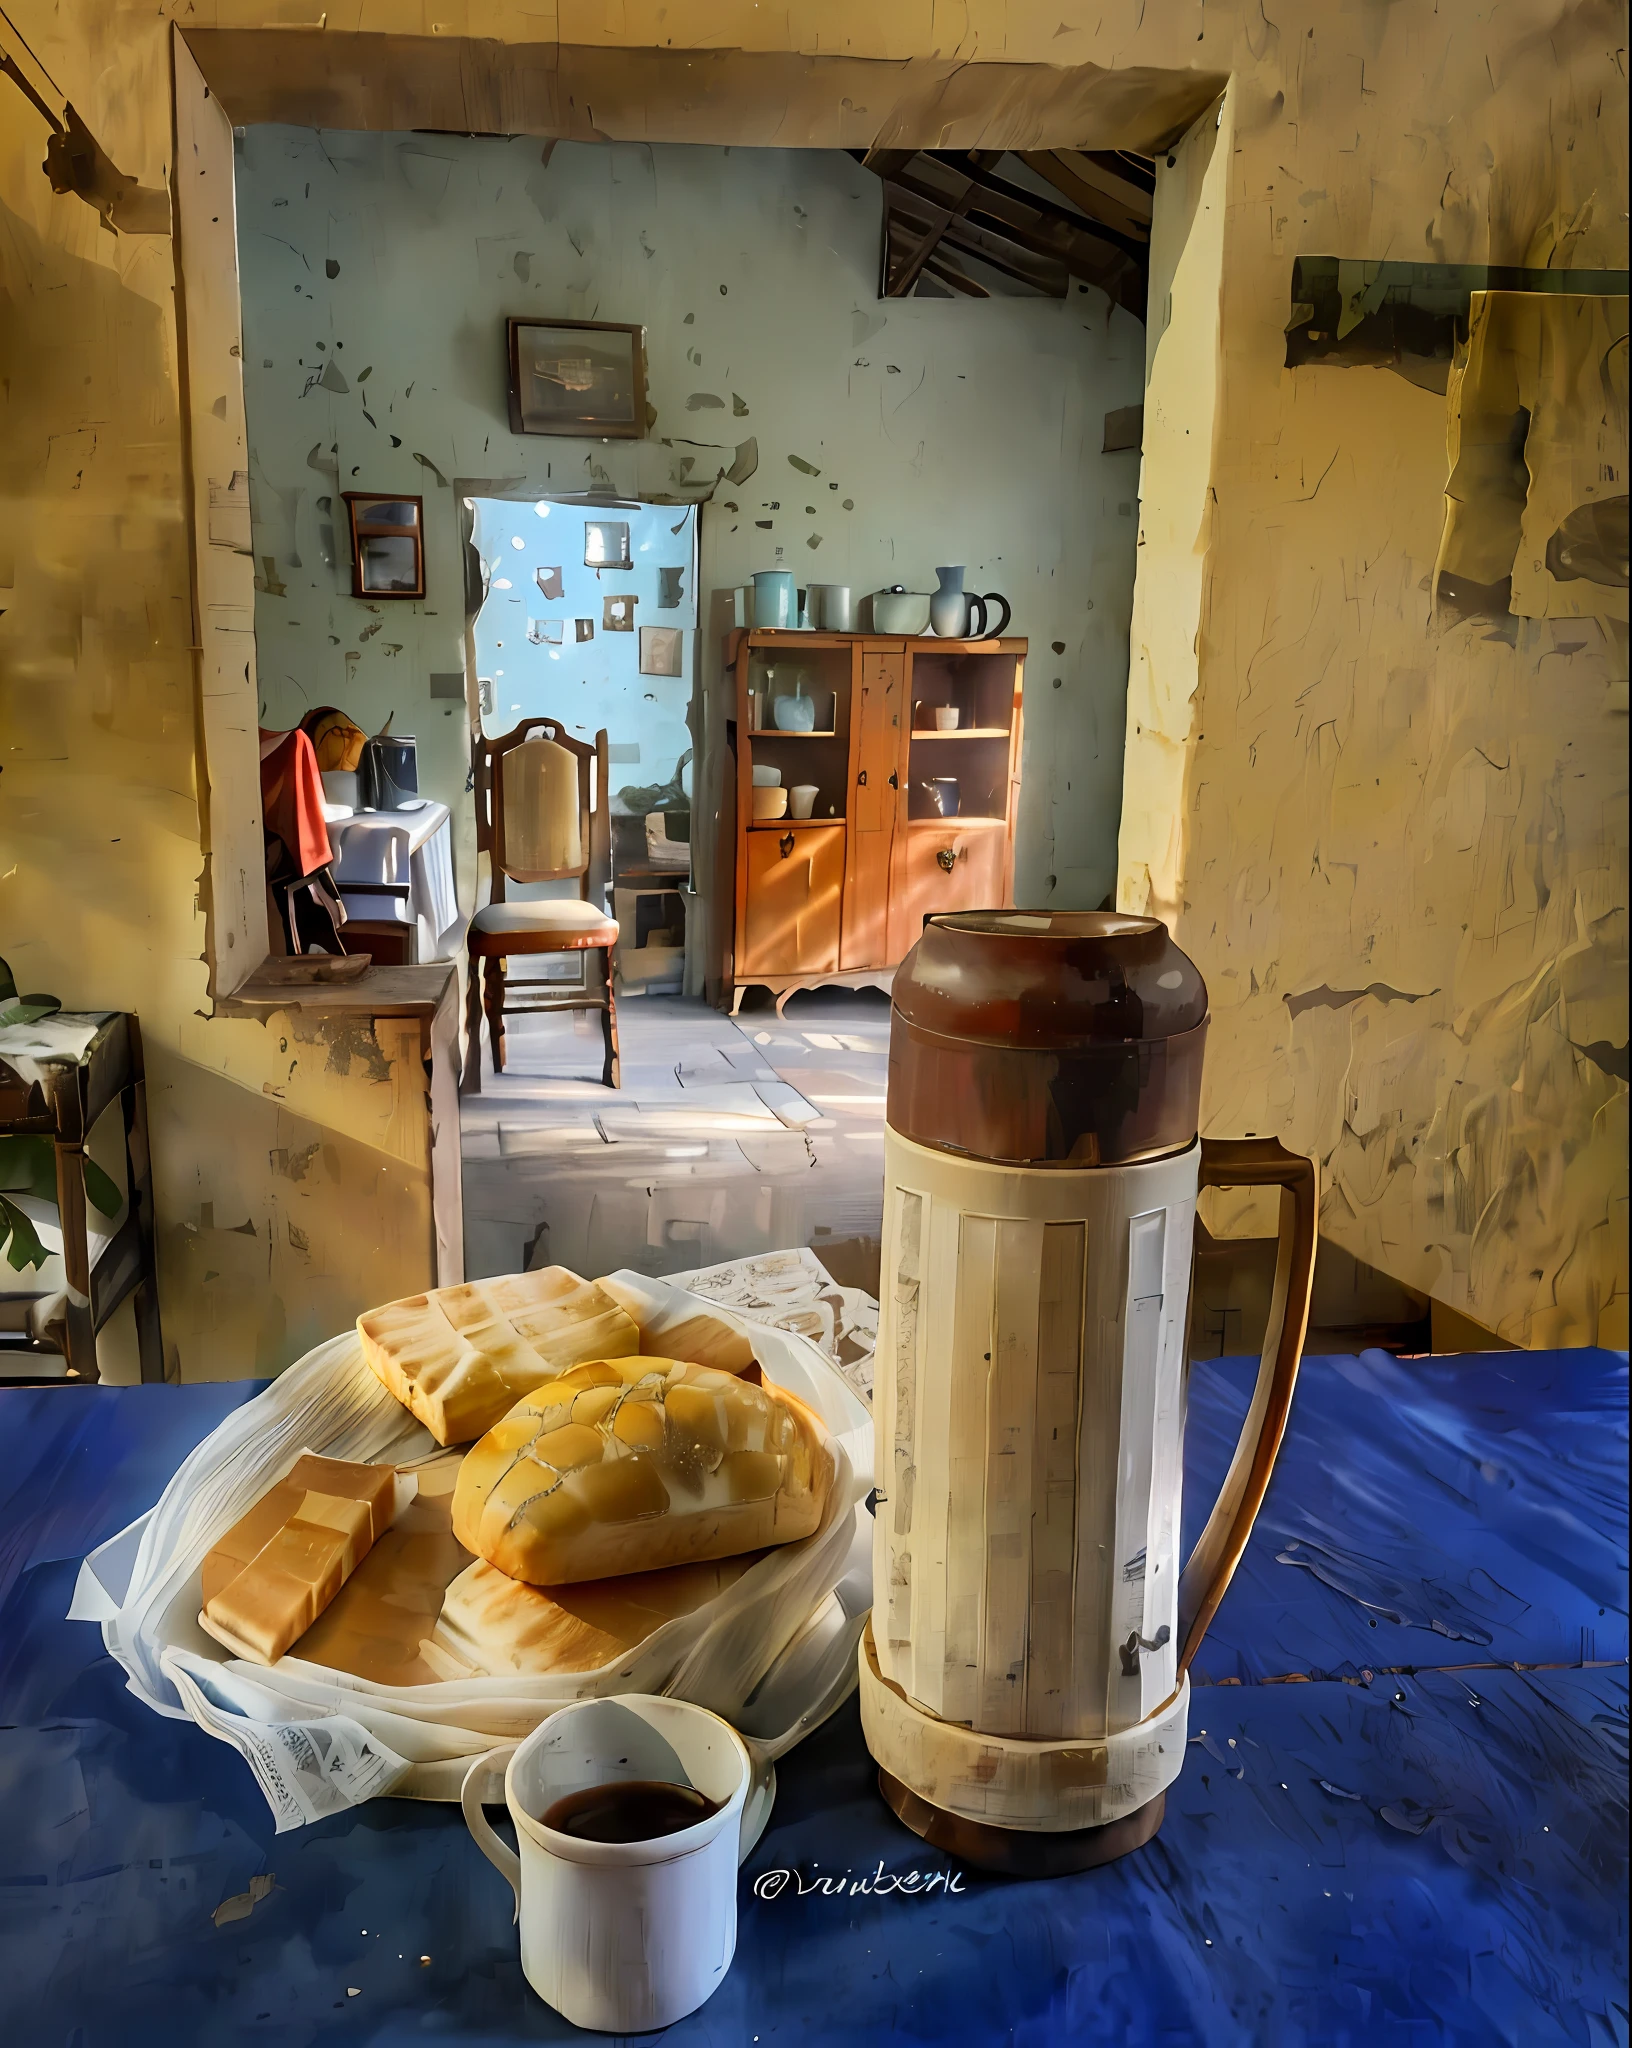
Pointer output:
x,y
946,865
876,740
875,806
794,877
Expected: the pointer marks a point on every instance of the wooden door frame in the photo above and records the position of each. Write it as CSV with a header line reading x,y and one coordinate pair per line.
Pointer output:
x,y
381,82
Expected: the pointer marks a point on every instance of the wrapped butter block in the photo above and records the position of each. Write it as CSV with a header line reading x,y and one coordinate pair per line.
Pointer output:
x,y
276,1569
637,1464
461,1357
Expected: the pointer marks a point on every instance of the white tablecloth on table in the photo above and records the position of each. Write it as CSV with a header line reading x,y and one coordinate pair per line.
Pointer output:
x,y
411,849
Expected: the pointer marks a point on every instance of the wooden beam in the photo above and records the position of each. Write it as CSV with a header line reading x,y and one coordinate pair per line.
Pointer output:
x,y
1093,199
1019,204
1053,280
1085,251
959,280
904,279
885,162
1087,247
1124,163
907,211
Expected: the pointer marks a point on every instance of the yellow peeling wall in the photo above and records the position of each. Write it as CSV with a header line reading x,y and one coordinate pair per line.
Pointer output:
x,y
1396,847
1325,795
290,1170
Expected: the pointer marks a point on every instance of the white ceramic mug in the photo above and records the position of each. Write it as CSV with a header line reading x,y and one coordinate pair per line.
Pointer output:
x,y
802,799
620,1936
946,717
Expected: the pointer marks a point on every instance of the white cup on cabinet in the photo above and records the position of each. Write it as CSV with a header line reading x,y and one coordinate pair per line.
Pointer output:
x,y
802,799
622,1937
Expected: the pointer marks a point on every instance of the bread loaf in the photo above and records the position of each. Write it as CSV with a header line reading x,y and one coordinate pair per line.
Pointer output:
x,y
461,1357
636,1464
279,1566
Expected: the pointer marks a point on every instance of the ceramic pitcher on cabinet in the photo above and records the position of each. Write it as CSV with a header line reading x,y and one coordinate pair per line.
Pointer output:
x,y
956,615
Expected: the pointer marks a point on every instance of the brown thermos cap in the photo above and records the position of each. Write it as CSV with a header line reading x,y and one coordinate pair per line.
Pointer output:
x,y
1047,1038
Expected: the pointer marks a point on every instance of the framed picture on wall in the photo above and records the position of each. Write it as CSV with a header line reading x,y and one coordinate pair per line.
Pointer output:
x,y
577,377
387,544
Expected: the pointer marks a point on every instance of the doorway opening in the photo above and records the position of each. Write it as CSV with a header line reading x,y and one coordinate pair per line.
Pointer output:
x,y
588,614
817,409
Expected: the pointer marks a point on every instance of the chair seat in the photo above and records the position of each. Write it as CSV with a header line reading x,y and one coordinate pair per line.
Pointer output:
x,y
556,925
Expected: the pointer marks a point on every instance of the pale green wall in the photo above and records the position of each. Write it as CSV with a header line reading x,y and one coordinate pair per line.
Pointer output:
x,y
943,431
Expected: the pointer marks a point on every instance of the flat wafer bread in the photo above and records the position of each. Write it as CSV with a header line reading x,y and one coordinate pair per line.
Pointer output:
x,y
490,1624
278,1567
461,1357
637,1464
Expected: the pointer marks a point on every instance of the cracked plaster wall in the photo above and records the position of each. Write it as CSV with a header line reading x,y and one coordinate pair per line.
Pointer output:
x,y
869,442
290,1164
1394,841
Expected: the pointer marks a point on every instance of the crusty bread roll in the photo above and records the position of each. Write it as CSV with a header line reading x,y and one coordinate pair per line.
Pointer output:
x,y
635,1464
279,1566
461,1357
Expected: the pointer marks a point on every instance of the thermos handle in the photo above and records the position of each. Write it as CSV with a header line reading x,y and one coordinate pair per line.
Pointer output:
x,y
1254,1163
988,631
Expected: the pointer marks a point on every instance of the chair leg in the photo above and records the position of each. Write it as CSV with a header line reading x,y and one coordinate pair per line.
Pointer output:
x,y
493,1003
76,1260
611,1067
470,1076
139,1173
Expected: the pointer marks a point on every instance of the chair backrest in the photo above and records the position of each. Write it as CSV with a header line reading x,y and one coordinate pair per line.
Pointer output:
x,y
542,807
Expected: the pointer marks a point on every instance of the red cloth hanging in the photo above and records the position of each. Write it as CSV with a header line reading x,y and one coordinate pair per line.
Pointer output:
x,y
292,800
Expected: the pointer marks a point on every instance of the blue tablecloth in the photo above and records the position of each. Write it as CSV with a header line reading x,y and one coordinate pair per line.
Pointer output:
x,y
1380,1834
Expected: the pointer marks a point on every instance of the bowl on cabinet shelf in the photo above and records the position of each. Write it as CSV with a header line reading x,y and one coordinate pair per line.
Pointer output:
x,y
770,804
901,612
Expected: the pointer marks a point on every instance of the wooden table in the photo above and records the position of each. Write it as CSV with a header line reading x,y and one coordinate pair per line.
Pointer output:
x,y
1402,1818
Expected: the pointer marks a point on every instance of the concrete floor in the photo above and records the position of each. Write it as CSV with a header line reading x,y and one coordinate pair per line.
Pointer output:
x,y
728,1137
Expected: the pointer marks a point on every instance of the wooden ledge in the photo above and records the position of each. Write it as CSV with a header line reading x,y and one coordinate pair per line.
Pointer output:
x,y
376,992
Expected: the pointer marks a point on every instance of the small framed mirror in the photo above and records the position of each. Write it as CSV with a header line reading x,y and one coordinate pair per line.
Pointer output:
x,y
387,545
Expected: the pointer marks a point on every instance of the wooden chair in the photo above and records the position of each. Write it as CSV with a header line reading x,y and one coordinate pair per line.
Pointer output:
x,y
542,815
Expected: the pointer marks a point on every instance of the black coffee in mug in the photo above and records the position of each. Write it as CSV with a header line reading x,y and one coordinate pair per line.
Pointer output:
x,y
635,1810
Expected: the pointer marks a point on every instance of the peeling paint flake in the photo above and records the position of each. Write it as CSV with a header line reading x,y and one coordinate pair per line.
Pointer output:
x,y
1340,998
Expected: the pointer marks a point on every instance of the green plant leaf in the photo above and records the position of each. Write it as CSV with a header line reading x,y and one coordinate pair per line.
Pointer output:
x,y
28,1165
22,1241
101,1190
